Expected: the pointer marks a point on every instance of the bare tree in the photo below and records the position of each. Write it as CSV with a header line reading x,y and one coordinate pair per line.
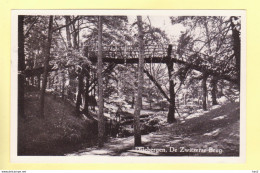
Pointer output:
x,y
46,64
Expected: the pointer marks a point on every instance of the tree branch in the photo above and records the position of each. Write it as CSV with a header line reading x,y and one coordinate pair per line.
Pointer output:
x,y
63,26
61,36
27,32
157,85
94,81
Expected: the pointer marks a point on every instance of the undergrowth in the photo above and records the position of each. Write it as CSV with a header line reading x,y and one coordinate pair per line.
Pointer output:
x,y
60,131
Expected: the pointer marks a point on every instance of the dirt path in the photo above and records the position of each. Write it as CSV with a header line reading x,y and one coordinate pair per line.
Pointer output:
x,y
212,133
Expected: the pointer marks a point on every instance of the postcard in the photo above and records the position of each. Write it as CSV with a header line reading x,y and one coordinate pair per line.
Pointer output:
x,y
128,86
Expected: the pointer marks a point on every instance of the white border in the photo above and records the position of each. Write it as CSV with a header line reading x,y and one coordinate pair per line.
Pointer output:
x,y
125,159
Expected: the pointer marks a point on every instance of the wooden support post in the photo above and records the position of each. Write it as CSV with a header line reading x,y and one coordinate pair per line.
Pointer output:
x,y
171,116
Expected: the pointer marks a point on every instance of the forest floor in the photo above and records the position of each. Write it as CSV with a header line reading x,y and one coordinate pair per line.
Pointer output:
x,y
205,133
59,132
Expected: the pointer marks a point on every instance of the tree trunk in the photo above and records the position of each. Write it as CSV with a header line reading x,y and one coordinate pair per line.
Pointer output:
x,y
133,100
204,88
80,91
101,125
214,91
68,31
236,48
74,35
46,64
39,82
48,83
78,29
21,66
94,95
63,85
138,103
171,117
75,43
32,80
87,93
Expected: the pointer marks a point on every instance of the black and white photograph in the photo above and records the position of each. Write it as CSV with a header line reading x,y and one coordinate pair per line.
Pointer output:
x,y
148,84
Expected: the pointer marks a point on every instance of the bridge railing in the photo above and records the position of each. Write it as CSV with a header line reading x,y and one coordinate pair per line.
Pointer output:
x,y
128,51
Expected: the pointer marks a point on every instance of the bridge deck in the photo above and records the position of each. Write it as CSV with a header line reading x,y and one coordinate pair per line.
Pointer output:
x,y
132,60
127,52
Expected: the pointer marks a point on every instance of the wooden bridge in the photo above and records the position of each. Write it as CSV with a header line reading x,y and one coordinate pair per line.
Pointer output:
x,y
129,54
152,54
